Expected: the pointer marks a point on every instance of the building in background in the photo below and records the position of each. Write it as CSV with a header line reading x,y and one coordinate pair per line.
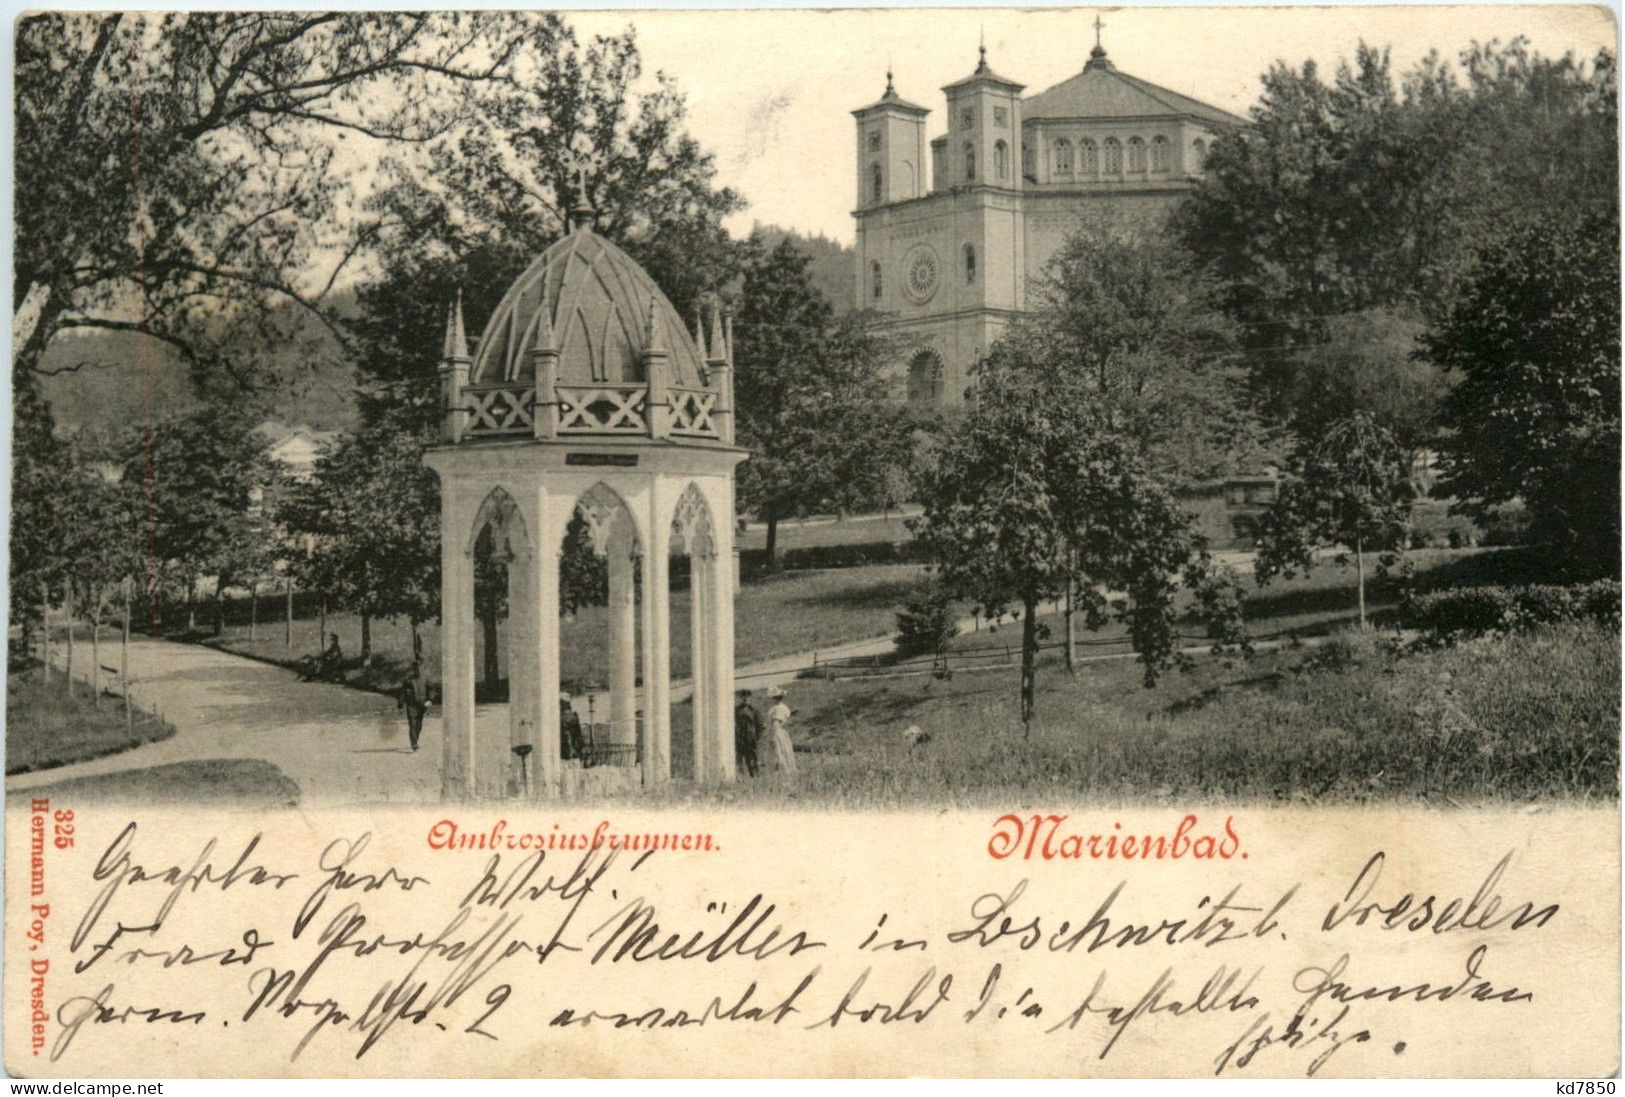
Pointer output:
x,y
950,231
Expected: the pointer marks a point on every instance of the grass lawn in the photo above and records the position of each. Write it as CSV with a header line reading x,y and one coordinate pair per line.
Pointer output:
x,y
1501,718
777,615
234,783
47,727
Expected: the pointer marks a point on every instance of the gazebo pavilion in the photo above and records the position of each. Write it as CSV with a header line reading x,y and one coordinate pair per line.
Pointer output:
x,y
587,395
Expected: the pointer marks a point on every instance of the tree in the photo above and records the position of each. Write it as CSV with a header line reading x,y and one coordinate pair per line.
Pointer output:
x,y
1351,210
39,531
1128,315
926,623
1034,492
204,476
494,192
810,400
1351,487
372,510
1534,339
177,174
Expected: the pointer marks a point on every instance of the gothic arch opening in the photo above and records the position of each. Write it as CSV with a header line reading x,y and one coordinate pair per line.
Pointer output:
x,y
925,378
497,542
695,569
600,711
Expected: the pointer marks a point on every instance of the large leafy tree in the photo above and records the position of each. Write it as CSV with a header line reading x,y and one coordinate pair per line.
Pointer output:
x,y
810,400
39,524
1126,313
178,175
1035,496
488,197
1534,339
1349,487
1360,202
370,514
202,479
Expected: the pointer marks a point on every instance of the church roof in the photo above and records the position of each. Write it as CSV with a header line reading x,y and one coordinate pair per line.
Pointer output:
x,y
1100,91
893,100
985,75
590,301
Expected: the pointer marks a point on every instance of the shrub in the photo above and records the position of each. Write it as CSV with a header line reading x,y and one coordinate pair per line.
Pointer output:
x,y
926,622
1515,608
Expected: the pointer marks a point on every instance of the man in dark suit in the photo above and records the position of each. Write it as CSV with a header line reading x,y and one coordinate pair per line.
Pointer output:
x,y
747,729
414,698
571,743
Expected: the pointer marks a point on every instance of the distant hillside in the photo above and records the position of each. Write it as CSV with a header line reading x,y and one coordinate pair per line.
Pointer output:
x,y
831,267
105,382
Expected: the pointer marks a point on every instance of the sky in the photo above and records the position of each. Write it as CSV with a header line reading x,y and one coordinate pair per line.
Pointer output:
x,y
770,91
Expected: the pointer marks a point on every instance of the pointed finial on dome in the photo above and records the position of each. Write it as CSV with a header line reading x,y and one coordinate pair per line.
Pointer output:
x,y
654,341
981,51
582,214
454,348
719,345
546,339
891,91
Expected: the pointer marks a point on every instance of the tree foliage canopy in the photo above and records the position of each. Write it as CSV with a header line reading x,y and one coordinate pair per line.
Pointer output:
x,y
1030,492
1137,327
178,175
810,398
1534,340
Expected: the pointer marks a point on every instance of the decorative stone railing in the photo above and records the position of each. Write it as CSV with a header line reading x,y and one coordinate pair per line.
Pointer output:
x,y
500,409
602,409
691,412
509,409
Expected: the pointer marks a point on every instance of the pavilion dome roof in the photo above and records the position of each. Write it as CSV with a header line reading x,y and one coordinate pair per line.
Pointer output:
x,y
592,303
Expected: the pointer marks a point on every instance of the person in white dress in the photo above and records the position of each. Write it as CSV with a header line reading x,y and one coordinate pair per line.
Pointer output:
x,y
778,731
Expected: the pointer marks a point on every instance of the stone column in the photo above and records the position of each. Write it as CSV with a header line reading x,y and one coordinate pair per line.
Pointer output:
x,y
456,642
623,650
657,644
549,545
699,666
721,600
524,668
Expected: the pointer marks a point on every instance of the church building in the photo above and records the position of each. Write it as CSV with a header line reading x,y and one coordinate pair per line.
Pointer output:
x,y
947,242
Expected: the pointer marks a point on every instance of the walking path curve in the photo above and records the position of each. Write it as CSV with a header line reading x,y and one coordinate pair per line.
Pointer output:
x,y
339,745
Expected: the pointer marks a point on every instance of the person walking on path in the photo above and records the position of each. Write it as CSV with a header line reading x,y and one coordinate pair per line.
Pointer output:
x,y
747,733
778,728
414,698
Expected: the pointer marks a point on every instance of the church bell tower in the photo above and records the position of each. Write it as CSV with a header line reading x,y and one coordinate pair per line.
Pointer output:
x,y
891,150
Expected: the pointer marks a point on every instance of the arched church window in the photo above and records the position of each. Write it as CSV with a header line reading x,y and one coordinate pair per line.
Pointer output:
x,y
970,263
1063,156
874,275
925,378
970,161
1198,153
1136,154
1088,157
1114,157
1028,168
1159,154
1001,160
876,182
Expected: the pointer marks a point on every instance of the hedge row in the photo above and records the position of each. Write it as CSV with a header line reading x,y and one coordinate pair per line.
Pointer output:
x,y
839,556
1510,608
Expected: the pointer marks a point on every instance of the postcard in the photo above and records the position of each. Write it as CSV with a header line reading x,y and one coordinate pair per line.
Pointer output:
x,y
782,543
